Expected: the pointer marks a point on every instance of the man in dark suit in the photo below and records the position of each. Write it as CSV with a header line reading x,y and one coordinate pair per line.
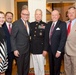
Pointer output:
x,y
55,38
7,26
20,42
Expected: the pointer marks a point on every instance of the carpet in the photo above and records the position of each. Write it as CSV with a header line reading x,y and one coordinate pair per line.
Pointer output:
x,y
31,72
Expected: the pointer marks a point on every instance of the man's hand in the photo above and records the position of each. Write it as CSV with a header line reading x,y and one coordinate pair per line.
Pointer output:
x,y
16,53
57,54
44,53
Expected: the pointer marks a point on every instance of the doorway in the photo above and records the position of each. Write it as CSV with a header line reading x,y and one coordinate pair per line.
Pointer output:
x,y
18,6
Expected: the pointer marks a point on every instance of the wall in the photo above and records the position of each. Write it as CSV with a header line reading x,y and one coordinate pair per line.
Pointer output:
x,y
7,5
37,4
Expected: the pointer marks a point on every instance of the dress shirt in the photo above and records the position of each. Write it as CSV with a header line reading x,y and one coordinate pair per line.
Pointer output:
x,y
7,24
72,23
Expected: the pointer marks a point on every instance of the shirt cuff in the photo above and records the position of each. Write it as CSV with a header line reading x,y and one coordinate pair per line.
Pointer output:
x,y
58,51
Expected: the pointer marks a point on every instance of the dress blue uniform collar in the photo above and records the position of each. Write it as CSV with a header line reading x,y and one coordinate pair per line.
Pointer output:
x,y
39,22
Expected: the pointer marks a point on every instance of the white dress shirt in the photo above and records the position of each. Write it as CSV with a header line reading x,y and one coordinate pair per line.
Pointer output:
x,y
7,24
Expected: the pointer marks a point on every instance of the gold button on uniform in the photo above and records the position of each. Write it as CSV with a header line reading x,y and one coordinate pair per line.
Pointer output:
x,y
34,35
35,31
40,33
35,27
40,30
36,24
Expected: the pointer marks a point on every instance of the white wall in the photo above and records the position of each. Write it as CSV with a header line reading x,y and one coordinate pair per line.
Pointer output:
x,y
37,4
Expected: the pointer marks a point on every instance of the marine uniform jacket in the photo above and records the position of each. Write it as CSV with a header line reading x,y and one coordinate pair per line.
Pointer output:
x,y
37,37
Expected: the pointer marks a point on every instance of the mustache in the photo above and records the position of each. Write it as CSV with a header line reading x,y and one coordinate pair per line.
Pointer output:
x,y
9,18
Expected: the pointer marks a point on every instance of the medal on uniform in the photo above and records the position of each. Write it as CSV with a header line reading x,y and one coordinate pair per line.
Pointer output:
x,y
39,26
42,26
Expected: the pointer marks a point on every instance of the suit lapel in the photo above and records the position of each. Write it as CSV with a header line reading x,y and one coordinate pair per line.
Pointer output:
x,y
6,29
74,27
23,26
29,27
49,27
73,31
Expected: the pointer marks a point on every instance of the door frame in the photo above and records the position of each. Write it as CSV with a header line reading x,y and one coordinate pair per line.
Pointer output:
x,y
15,6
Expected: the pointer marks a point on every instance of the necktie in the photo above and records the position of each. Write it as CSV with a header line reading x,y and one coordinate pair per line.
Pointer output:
x,y
9,29
69,28
50,34
26,25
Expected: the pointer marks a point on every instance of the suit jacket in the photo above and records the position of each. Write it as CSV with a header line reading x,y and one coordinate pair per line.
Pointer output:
x,y
70,47
58,37
19,37
7,37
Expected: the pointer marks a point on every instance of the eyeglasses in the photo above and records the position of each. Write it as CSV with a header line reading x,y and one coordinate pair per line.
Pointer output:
x,y
25,14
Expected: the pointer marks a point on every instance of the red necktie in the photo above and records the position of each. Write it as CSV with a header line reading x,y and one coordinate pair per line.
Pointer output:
x,y
69,28
9,29
50,34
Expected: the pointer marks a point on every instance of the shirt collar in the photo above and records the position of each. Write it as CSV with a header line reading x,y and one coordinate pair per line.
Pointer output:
x,y
23,21
7,24
72,20
54,23
39,21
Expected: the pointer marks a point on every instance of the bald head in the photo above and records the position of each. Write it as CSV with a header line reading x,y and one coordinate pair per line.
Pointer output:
x,y
55,15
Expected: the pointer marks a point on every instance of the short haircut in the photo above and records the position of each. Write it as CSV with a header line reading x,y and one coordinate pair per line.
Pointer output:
x,y
24,7
72,7
9,13
1,12
38,10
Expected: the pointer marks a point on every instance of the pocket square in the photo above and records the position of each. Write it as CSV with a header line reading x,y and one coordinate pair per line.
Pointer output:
x,y
57,28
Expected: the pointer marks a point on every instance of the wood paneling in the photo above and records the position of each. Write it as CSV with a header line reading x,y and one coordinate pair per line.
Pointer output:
x,y
60,1
20,0
62,8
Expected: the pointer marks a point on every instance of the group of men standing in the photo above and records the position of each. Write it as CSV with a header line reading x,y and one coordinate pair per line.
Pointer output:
x,y
55,37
